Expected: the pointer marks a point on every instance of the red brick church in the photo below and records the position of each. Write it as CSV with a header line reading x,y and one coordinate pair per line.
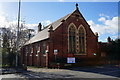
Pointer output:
x,y
67,41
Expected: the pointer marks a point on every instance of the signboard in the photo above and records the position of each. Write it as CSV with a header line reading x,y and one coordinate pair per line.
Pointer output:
x,y
55,52
70,60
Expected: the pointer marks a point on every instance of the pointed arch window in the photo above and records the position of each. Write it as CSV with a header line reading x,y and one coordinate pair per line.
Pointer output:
x,y
72,40
82,40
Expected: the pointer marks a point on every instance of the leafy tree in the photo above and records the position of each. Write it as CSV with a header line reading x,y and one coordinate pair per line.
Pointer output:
x,y
113,50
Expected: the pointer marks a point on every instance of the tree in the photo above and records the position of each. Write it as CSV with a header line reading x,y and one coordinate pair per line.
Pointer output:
x,y
5,46
113,50
8,40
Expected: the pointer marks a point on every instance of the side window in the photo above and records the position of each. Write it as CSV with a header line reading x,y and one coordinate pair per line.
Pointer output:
x,y
43,47
38,49
26,50
31,48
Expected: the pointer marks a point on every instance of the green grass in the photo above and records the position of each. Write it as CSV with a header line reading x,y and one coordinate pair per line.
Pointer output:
x,y
35,67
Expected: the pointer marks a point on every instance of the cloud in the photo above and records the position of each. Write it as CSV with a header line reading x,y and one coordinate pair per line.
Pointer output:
x,y
61,0
4,22
96,27
109,25
103,15
46,22
102,19
112,25
90,22
31,26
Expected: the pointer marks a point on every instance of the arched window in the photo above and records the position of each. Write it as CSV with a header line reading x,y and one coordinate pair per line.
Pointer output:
x,y
72,39
82,40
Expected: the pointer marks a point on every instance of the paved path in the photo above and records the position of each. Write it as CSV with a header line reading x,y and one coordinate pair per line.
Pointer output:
x,y
94,73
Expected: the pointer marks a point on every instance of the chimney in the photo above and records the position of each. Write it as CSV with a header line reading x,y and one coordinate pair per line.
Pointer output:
x,y
39,27
109,39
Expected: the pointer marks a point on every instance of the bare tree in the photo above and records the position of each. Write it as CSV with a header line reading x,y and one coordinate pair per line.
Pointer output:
x,y
8,41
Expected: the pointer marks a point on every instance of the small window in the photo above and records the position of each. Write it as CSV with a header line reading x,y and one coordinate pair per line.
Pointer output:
x,y
26,49
31,47
44,47
38,50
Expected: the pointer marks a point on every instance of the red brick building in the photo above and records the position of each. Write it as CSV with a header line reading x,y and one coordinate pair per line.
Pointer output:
x,y
69,38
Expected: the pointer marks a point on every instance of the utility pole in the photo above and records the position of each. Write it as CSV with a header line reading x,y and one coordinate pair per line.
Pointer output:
x,y
17,40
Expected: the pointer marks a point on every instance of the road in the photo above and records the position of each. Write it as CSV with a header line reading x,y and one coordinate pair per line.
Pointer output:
x,y
107,72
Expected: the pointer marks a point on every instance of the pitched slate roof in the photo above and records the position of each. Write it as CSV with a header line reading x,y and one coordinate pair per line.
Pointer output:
x,y
44,34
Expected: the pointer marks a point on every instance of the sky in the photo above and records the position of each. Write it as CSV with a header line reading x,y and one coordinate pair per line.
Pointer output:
x,y
101,16
60,0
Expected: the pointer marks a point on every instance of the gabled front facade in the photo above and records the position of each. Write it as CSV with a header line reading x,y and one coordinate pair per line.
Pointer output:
x,y
68,37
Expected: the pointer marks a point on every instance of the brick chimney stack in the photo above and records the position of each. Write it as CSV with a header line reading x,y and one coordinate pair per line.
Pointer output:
x,y
109,39
39,27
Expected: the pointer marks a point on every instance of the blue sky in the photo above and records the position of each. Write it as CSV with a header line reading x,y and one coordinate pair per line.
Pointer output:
x,y
102,16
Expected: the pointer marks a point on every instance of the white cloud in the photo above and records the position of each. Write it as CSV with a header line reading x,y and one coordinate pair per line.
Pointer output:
x,y
102,19
103,15
109,26
112,25
31,26
12,24
3,21
61,0
96,27
90,22
46,22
